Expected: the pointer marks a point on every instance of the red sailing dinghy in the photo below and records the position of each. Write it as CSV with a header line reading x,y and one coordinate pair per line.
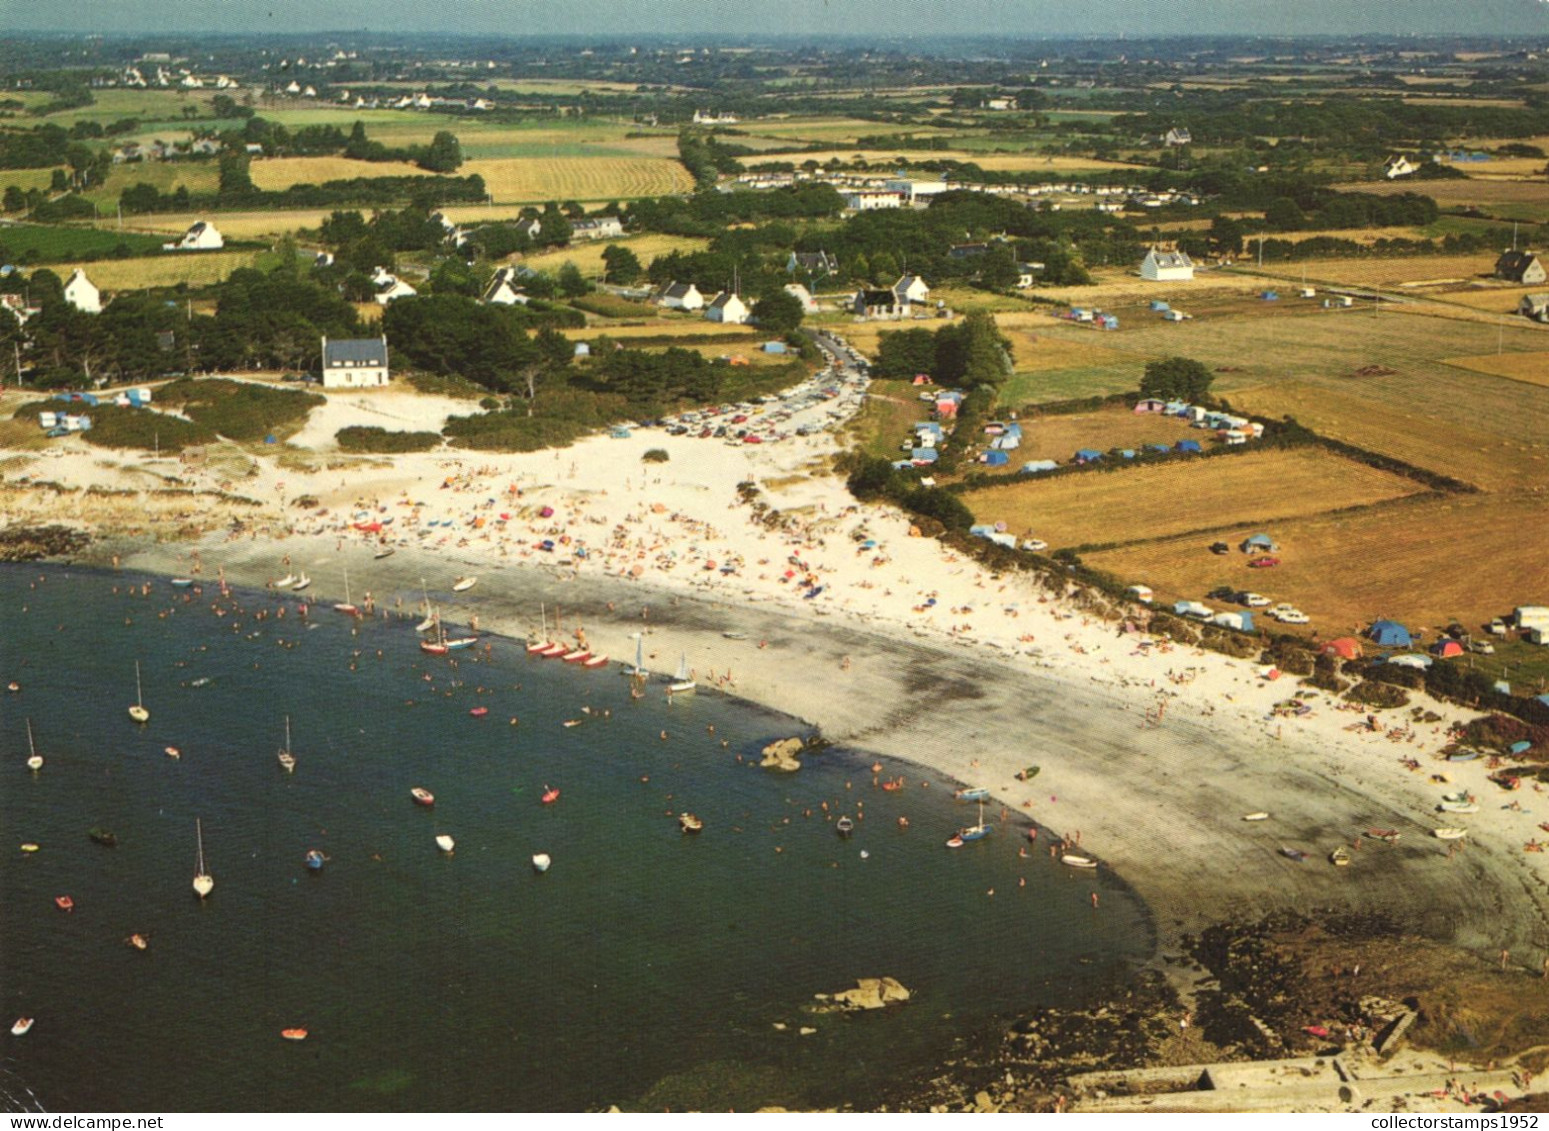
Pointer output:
x,y
550,795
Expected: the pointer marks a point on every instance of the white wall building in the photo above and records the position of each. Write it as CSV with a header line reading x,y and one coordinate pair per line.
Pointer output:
x,y
82,294
354,363
727,307
1167,266
202,236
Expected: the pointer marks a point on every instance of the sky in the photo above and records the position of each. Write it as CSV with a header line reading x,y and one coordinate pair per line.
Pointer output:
x,y
609,20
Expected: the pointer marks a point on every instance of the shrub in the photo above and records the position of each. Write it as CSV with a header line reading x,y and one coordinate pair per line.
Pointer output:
x,y
656,455
369,438
240,410
1375,694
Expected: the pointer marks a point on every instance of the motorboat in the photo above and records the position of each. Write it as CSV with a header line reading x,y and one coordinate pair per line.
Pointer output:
x,y
105,837
314,860
422,796
294,1034
1293,854
445,843
21,1027
285,582
844,826
137,941
301,583
973,793
541,862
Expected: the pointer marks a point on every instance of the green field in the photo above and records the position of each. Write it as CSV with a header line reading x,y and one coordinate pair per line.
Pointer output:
x,y
200,177
55,245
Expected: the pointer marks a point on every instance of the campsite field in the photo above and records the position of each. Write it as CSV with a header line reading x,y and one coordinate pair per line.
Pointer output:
x,y
1404,559
1531,368
1147,502
1059,437
1385,271
890,411
1492,455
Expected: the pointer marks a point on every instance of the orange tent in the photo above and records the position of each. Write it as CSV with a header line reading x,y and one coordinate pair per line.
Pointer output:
x,y
1346,648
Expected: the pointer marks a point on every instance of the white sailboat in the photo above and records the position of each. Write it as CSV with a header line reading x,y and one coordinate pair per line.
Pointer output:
x,y
430,616
301,582
287,759
346,607
638,670
204,883
138,712
34,759
681,681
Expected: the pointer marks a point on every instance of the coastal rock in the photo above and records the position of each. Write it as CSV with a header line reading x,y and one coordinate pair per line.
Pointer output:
x,y
781,755
32,543
872,993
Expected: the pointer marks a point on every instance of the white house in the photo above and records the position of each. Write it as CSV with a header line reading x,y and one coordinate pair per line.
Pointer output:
x,y
1166,266
911,289
912,189
597,228
82,294
390,287
868,200
202,236
354,363
503,289
680,296
1177,136
1398,166
727,307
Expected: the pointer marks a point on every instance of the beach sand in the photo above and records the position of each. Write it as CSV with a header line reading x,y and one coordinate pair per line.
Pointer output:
x,y
1150,753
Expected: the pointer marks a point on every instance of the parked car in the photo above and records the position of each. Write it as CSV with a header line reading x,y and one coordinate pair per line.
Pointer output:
x,y
1220,548
750,438
1036,545
1483,647
1221,593
1263,563
1497,627
1252,600
1291,616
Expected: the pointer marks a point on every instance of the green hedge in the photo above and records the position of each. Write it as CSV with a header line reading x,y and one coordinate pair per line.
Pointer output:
x,y
369,438
239,410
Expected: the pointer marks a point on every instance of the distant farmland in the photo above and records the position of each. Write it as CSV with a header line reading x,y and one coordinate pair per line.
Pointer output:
x,y
1530,368
519,180
163,270
1147,502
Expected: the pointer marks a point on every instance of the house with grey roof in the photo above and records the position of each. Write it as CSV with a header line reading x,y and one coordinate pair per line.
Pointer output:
x,y
1166,266
354,363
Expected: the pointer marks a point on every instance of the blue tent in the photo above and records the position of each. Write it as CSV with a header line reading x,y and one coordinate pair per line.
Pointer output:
x,y
1391,634
1088,455
923,455
1128,453
1037,465
1544,699
1187,446
1158,448
996,458
1257,542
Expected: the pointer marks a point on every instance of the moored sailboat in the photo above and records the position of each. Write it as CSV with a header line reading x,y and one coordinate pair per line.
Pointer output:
x,y
34,759
346,606
204,883
286,758
682,681
138,712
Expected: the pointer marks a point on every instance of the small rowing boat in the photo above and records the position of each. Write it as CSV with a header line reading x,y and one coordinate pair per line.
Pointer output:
x,y
446,844
479,712
1388,835
64,903
541,862
1259,816
463,584
294,1034
422,796
1076,860
1449,833
21,1027
182,582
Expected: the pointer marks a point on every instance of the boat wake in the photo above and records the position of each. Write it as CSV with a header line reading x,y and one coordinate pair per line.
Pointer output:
x,y
15,1096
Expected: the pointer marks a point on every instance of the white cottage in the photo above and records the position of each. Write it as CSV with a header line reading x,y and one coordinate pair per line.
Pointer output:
x,y
680,296
202,236
354,363
82,293
1167,266
727,307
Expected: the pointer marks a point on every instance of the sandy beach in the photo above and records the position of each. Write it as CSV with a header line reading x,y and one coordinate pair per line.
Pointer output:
x,y
1150,753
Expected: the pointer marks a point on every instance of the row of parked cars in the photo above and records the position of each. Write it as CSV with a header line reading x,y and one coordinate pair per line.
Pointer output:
x,y
1284,612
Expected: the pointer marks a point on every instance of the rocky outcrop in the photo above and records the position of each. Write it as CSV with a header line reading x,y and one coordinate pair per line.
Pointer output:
x,y
869,993
31,543
781,755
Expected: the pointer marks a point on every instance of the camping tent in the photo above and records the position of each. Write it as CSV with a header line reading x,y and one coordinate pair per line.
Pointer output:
x,y
996,458
1037,465
1410,660
1187,446
1391,634
1088,455
1258,543
1447,648
1346,648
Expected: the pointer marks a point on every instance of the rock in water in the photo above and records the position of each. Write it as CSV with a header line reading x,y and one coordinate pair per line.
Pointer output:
x,y
873,993
781,755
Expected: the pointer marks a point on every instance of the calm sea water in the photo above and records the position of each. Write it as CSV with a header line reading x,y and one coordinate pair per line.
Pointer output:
x,y
647,968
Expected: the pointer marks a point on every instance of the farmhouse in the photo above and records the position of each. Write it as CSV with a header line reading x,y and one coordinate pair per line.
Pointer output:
x,y
727,307
503,289
875,304
82,294
911,288
1535,307
390,288
1177,136
202,236
18,307
1167,266
597,228
354,363
1398,166
812,262
680,296
1520,267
